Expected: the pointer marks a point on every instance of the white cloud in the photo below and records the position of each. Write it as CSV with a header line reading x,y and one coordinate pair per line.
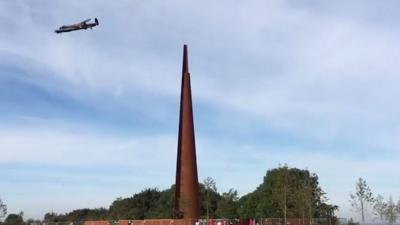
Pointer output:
x,y
52,146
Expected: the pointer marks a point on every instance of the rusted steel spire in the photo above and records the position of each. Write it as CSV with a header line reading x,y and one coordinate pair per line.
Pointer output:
x,y
187,189
185,63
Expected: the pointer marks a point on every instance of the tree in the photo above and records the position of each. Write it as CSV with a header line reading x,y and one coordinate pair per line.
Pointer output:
x,y
139,206
287,191
149,203
87,214
53,217
210,186
14,219
280,191
361,198
249,205
379,207
303,196
33,221
227,205
3,210
391,211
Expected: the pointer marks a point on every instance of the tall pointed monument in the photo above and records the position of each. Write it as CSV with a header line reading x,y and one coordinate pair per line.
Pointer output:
x,y
187,189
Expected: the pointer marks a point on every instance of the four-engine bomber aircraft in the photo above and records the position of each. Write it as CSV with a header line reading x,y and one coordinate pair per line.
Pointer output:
x,y
78,26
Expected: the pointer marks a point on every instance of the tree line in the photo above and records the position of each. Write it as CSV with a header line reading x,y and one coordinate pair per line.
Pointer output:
x,y
284,193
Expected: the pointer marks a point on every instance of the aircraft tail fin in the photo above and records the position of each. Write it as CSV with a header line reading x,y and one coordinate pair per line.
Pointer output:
x,y
96,21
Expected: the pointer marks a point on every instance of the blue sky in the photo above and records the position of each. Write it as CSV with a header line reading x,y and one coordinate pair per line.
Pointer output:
x,y
89,116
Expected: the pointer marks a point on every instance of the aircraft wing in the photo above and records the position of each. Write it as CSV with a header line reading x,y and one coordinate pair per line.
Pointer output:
x,y
66,29
85,21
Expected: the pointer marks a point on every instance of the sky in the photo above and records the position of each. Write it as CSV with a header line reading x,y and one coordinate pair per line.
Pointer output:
x,y
89,116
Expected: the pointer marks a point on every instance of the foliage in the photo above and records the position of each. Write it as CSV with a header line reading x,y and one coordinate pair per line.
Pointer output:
x,y
3,210
210,186
391,211
361,198
379,207
32,221
287,192
228,204
14,219
77,215
149,203
53,217
212,202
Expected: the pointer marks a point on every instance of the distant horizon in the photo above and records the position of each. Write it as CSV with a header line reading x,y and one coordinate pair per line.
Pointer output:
x,y
90,115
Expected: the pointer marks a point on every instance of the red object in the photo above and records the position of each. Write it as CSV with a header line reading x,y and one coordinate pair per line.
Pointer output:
x,y
187,189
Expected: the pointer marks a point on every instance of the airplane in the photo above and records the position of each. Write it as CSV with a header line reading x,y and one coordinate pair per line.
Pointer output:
x,y
78,26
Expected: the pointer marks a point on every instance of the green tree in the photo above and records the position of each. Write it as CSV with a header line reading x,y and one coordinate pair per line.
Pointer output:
x,y
149,203
32,221
210,186
87,214
227,205
14,219
304,197
54,217
287,192
249,205
361,198
140,206
280,191
391,211
380,207
3,210
164,206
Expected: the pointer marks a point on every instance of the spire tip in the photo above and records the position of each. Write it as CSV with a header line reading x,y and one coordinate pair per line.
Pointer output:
x,y
185,66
